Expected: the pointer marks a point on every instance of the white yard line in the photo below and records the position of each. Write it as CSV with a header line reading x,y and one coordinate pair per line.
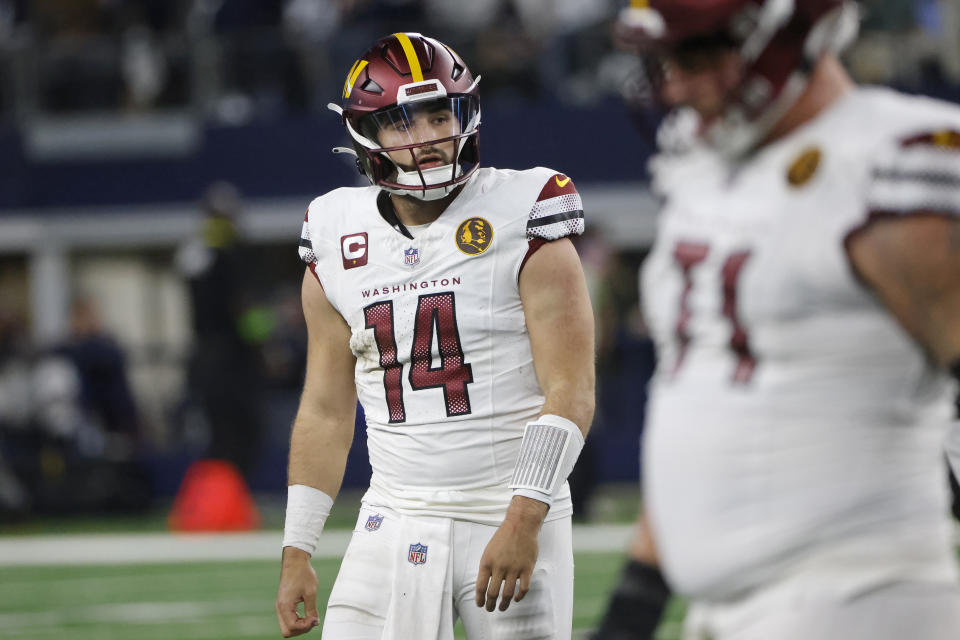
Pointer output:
x,y
83,549
91,549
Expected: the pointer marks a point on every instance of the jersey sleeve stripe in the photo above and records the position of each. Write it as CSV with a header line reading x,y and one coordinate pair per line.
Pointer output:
x,y
308,256
553,219
572,227
306,244
922,174
943,139
930,178
927,159
931,207
558,211
559,204
906,192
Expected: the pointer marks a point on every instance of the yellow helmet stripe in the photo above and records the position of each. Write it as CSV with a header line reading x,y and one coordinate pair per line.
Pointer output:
x,y
412,59
346,81
639,4
352,76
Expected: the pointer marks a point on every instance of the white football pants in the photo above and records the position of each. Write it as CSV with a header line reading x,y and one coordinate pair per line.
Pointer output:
x,y
391,587
894,611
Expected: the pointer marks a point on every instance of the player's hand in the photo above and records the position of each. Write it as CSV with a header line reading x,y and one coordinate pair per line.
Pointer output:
x,y
511,555
298,583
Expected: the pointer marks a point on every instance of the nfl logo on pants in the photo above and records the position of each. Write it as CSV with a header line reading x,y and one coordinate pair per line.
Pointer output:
x,y
374,522
418,553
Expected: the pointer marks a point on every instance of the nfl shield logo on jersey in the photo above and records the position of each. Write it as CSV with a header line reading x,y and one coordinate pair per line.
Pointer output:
x,y
418,553
374,521
411,256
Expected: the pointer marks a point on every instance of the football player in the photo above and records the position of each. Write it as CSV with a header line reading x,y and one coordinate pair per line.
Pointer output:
x,y
804,295
450,300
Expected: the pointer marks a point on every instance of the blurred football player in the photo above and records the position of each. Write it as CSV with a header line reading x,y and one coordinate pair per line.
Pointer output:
x,y
450,299
804,295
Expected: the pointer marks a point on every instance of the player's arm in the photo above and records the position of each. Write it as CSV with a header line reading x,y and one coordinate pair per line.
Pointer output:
x,y
908,252
913,265
559,317
560,324
321,438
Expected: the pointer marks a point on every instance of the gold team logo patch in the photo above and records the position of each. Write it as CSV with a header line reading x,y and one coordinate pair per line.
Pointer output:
x,y
804,167
474,236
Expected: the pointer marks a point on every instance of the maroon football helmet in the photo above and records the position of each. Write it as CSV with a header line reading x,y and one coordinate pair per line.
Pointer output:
x,y
410,95
779,42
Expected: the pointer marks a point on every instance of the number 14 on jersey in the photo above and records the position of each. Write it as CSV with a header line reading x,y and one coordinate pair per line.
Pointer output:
x,y
436,316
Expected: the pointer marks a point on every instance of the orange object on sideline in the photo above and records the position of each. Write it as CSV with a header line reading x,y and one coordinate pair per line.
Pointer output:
x,y
213,497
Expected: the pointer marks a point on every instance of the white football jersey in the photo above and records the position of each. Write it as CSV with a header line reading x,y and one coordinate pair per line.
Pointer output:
x,y
790,413
444,369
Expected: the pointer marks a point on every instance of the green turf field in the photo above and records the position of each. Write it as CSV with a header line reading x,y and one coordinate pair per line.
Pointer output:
x,y
213,600
209,601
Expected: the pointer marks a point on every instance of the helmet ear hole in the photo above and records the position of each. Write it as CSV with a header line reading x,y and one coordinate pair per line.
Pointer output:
x,y
364,162
380,167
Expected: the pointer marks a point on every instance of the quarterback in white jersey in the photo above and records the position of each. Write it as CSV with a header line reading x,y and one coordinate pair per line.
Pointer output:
x,y
804,296
450,301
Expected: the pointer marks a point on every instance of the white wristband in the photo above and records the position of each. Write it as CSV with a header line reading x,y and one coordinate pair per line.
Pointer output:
x,y
549,450
307,511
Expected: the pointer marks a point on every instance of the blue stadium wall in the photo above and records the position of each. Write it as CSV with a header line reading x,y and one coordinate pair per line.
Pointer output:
x,y
292,157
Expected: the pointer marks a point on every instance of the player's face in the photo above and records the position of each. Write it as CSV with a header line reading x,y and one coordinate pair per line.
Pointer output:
x,y
702,80
421,127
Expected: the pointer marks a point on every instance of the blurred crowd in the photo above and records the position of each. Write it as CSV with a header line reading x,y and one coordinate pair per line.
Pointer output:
x,y
238,60
74,436
70,433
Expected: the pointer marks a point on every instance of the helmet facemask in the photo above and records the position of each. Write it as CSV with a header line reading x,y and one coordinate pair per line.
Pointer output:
x,y
424,148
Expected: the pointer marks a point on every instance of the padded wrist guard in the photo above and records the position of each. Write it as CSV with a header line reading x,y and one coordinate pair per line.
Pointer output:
x,y
551,445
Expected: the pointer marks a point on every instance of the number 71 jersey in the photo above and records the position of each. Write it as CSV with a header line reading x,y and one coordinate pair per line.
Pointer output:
x,y
790,411
444,368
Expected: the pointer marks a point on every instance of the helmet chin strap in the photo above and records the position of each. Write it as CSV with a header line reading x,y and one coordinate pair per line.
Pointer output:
x,y
422,190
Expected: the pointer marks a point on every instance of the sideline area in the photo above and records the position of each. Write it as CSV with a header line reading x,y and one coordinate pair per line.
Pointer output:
x,y
142,548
